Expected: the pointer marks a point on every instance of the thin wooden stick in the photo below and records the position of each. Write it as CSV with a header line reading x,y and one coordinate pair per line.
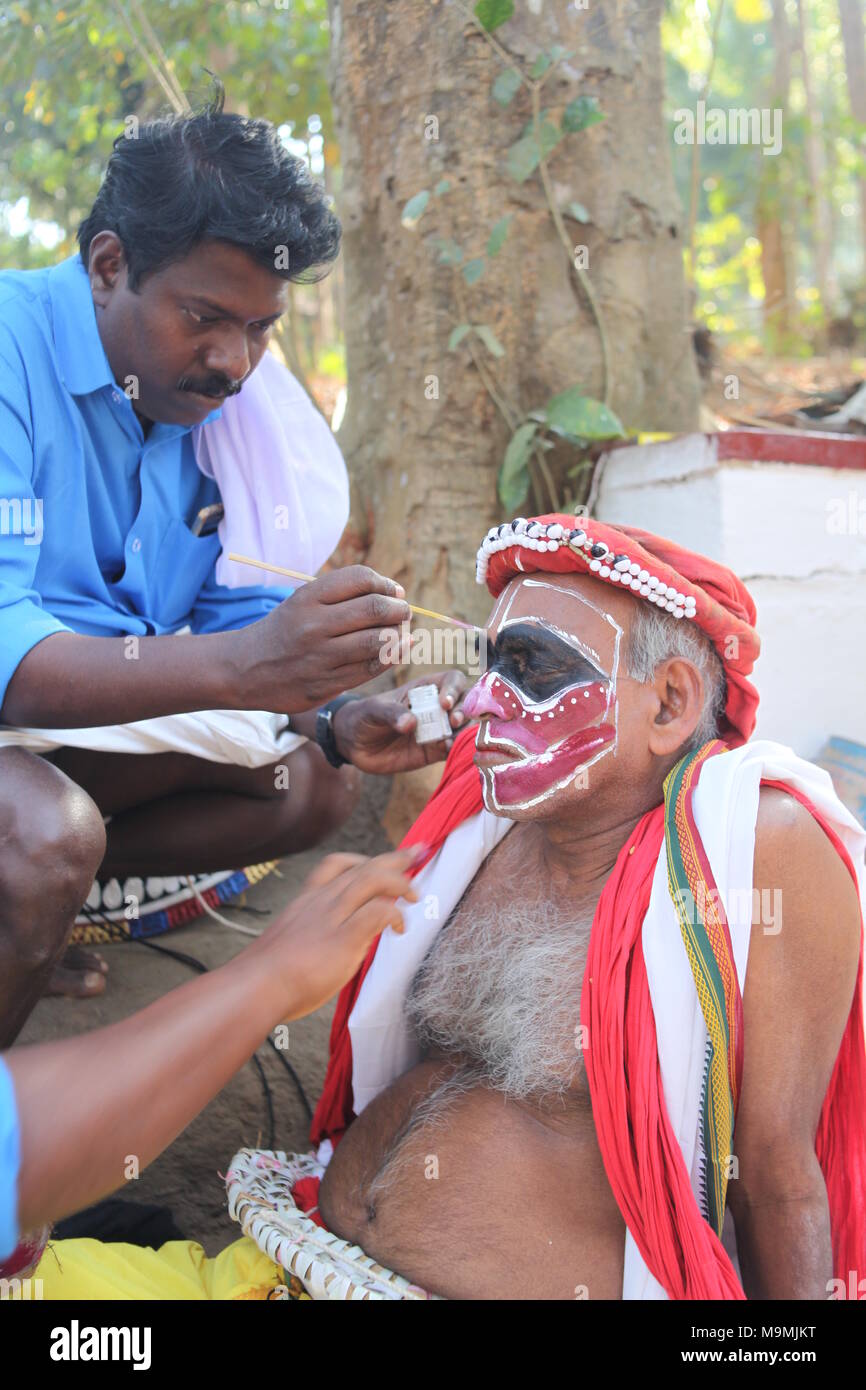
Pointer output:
x,y
308,579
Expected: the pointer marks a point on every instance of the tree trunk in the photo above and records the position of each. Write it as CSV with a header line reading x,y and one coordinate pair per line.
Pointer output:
x,y
819,189
772,211
423,437
851,17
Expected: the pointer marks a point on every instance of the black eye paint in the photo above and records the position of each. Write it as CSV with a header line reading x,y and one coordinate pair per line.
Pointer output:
x,y
538,662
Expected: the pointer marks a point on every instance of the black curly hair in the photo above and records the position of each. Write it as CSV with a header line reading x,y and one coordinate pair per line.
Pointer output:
x,y
212,175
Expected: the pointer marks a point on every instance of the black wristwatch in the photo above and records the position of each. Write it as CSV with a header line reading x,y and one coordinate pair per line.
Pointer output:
x,y
325,730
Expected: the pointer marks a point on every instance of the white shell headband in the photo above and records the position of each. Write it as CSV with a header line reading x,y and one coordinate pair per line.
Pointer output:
x,y
617,568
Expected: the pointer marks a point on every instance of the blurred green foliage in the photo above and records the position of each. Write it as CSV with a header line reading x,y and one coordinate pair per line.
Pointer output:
x,y
728,276
71,74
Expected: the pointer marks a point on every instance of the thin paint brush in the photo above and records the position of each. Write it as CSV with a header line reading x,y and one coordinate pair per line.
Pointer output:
x,y
308,579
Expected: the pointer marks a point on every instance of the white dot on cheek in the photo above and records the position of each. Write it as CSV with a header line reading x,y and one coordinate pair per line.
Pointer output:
x,y
586,694
574,699
537,718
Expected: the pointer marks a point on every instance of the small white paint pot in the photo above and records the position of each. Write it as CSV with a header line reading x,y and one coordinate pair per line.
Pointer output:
x,y
433,721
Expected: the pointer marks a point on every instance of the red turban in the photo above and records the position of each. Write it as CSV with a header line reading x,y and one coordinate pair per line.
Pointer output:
x,y
677,580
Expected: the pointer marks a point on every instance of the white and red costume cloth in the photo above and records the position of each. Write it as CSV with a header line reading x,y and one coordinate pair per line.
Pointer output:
x,y
662,997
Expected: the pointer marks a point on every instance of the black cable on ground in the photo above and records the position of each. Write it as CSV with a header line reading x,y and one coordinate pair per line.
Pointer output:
x,y
202,969
293,1074
197,965
193,963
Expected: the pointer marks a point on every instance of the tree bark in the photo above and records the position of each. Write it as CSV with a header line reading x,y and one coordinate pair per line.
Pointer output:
x,y
424,466
773,204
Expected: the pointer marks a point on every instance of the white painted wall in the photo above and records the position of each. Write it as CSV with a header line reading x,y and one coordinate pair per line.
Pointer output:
x,y
797,536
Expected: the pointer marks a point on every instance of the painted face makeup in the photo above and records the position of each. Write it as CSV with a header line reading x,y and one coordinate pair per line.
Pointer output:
x,y
548,698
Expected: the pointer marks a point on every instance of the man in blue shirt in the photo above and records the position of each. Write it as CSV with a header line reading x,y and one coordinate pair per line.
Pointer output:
x,y
107,361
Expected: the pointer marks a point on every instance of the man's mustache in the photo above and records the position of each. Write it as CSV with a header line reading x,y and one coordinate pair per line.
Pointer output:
x,y
210,386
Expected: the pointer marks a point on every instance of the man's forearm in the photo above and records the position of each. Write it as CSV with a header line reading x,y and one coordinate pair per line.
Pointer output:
x,y
784,1245
326,637
68,681
89,1104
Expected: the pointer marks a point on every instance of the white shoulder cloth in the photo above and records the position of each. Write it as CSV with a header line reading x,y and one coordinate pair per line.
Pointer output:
x,y
281,476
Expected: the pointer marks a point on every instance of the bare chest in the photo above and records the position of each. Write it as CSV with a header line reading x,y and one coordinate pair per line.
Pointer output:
x,y
500,987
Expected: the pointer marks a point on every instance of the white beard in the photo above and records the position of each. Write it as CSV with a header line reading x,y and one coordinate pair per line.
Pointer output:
x,y
500,987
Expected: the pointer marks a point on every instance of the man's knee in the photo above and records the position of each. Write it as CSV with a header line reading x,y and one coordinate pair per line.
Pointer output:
x,y
52,840
316,800
337,792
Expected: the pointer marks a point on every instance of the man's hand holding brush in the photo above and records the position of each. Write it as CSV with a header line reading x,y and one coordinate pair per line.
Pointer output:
x,y
324,639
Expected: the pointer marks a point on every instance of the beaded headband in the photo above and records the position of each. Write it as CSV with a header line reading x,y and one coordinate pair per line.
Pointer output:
x,y
618,568
682,582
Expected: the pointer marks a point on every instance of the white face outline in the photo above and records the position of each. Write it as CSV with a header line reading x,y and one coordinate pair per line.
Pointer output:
x,y
488,774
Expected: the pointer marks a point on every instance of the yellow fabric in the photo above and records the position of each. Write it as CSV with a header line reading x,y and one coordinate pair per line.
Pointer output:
x,y
93,1269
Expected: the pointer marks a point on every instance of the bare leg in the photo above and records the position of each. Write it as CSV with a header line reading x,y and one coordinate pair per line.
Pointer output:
x,y
51,841
172,813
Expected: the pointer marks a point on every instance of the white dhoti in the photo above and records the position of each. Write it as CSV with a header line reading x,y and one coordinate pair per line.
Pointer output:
x,y
247,738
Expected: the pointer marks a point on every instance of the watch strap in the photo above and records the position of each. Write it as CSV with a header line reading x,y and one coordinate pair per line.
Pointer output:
x,y
325,730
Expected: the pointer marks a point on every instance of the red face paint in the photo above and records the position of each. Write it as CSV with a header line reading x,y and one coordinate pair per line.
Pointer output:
x,y
529,750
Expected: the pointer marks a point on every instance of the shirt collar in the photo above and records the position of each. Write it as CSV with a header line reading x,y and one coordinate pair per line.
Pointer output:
x,y
81,357
80,354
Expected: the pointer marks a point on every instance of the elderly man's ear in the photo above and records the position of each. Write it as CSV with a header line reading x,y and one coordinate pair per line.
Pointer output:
x,y
676,695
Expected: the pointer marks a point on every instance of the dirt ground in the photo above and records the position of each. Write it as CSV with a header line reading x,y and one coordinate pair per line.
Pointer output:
x,y
186,1178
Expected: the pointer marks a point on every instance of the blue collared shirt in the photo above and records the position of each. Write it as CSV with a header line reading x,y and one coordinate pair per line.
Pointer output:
x,y
94,519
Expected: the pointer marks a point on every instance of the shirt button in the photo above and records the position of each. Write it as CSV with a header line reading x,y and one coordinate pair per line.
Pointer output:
x,y
136,546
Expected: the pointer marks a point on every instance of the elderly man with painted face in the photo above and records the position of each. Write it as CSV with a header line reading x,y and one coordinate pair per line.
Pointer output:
x,y
176,289
619,1050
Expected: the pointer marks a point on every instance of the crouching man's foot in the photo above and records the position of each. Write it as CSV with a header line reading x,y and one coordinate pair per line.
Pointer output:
x,y
79,973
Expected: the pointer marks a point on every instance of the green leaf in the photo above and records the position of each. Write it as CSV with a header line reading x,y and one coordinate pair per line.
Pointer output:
x,y
473,270
540,66
449,252
442,187
580,113
489,339
513,482
457,335
579,212
491,13
496,240
411,214
523,156
557,52
506,86
573,413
